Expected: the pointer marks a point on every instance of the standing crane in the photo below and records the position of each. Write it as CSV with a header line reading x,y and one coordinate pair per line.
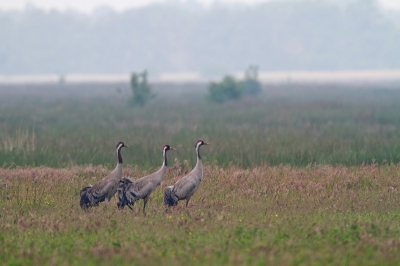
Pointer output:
x,y
185,187
105,189
130,191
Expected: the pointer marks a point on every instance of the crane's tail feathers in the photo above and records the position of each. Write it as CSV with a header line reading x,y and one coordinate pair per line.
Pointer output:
x,y
84,202
168,197
126,180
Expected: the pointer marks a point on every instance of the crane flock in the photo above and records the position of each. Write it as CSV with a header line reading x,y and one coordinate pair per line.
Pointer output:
x,y
130,190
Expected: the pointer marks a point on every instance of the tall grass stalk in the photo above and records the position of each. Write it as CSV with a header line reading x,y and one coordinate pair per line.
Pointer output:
x,y
19,140
286,124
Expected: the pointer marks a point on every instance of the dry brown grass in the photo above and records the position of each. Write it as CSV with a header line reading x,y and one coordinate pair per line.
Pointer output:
x,y
282,215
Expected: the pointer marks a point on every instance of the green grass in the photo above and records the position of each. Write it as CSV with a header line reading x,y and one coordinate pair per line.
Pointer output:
x,y
302,175
318,215
291,124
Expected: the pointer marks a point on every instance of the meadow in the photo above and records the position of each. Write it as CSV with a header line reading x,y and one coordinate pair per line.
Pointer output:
x,y
305,174
61,126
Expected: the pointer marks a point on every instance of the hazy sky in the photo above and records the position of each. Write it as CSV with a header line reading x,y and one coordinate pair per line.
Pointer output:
x,y
120,5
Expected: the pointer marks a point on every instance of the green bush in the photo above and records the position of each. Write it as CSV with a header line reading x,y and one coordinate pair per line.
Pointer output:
x,y
251,85
141,90
231,89
228,89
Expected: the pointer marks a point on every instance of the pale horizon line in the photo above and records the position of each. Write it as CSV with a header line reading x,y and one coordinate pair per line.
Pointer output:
x,y
341,76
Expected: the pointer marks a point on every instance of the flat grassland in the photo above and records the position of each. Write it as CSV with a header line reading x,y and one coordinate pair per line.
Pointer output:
x,y
304,174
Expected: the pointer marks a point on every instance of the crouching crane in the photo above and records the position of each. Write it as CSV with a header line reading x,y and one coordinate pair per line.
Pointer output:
x,y
130,191
185,187
105,189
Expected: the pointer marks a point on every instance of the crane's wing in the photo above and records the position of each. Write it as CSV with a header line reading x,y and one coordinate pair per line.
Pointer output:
x,y
85,201
103,189
139,189
169,198
184,187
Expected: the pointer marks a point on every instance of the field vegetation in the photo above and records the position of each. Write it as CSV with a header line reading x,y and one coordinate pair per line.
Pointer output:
x,y
301,175
280,215
286,124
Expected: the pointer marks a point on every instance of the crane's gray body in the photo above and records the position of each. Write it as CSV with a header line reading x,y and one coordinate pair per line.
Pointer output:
x,y
143,187
185,187
106,188
130,191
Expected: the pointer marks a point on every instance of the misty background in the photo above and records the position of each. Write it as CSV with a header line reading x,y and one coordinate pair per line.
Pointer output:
x,y
211,40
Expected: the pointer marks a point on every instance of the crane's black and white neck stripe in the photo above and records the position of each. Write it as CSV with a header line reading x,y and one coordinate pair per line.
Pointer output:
x,y
119,146
165,149
197,146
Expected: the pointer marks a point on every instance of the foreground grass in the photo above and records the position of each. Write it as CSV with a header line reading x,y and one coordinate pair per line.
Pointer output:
x,y
316,215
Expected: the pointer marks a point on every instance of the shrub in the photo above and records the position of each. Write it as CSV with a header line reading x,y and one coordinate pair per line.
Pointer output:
x,y
231,89
141,90
251,85
228,89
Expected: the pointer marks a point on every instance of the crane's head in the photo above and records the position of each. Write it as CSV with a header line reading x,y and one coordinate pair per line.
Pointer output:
x,y
168,148
200,142
122,200
120,145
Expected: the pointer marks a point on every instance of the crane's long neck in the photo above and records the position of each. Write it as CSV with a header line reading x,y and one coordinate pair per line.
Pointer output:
x,y
119,155
118,169
198,153
199,164
198,169
161,172
165,161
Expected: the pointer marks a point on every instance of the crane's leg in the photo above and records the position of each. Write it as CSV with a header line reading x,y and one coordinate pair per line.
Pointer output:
x,y
144,204
106,201
187,202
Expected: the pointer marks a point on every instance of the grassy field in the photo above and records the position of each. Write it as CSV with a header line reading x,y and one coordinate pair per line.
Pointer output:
x,y
316,215
291,124
302,175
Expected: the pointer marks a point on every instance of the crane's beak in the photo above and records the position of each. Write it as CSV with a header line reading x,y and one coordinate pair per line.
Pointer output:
x,y
126,146
205,143
172,149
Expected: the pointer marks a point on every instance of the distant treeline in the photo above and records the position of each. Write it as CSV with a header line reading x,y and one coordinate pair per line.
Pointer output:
x,y
289,35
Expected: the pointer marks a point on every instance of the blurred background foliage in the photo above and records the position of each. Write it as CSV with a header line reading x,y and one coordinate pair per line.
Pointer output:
x,y
141,90
231,89
214,41
297,124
